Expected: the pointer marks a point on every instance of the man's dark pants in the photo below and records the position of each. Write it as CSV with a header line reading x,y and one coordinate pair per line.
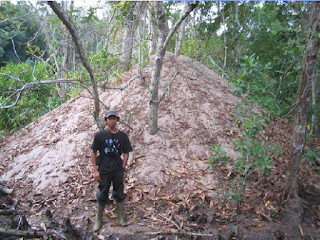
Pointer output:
x,y
116,179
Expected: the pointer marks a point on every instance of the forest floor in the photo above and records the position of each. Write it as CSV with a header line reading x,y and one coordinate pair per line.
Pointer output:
x,y
171,192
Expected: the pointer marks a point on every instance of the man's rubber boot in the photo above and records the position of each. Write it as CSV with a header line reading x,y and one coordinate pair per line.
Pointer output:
x,y
98,224
120,212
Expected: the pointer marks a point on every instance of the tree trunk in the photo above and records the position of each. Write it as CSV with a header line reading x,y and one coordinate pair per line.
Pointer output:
x,y
140,8
62,86
152,33
315,111
236,6
163,40
224,42
154,101
195,36
83,56
127,45
303,99
65,56
181,32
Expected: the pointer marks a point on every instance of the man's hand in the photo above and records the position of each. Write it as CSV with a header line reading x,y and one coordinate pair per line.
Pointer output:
x,y
96,175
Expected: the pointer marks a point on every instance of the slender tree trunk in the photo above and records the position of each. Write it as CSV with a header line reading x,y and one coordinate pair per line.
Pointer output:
x,y
154,101
303,99
236,5
62,86
65,56
83,56
53,51
127,45
152,33
314,124
140,8
224,42
181,32
195,35
163,40
236,33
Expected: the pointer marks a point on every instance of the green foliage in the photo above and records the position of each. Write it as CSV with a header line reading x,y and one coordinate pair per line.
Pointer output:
x,y
265,47
231,194
189,48
254,81
253,154
105,65
18,27
311,155
270,74
33,103
218,156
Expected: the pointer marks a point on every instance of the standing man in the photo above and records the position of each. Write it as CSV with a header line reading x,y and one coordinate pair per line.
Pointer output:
x,y
109,169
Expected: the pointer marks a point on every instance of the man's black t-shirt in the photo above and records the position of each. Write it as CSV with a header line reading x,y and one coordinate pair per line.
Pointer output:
x,y
111,146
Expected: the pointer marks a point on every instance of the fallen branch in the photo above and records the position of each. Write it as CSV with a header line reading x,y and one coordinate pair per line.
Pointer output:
x,y
217,236
200,234
21,233
7,211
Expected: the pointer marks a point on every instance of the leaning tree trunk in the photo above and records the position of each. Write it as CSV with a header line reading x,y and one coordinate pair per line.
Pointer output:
x,y
83,56
303,99
163,41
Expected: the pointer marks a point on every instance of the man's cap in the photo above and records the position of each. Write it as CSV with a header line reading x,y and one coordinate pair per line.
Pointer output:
x,y
111,112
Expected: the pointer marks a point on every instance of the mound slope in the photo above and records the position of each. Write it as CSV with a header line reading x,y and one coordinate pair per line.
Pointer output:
x,y
48,162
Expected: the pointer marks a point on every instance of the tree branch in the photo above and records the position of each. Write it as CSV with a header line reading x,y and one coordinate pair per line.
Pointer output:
x,y
83,56
177,24
124,85
18,91
168,86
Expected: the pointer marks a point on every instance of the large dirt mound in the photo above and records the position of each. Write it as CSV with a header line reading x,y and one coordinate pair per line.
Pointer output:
x,y
194,115
48,162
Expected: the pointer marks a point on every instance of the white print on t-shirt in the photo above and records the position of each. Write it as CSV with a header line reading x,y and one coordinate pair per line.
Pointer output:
x,y
112,146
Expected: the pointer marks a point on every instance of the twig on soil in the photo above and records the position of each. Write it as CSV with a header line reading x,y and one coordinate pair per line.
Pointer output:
x,y
265,216
199,234
80,171
185,233
169,220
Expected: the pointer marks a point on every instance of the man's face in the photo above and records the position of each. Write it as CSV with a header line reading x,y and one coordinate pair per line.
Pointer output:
x,y
111,121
